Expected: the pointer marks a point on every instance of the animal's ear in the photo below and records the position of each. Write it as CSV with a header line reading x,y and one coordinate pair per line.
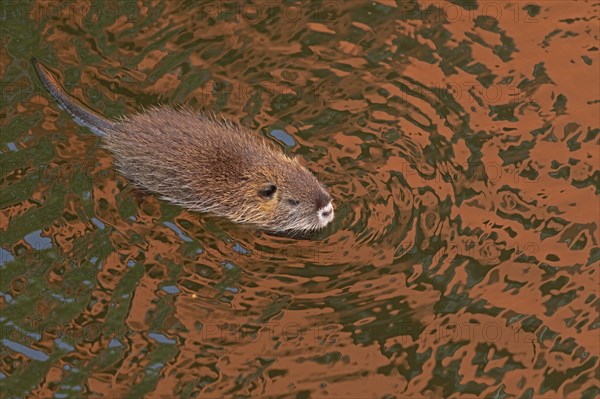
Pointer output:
x,y
267,191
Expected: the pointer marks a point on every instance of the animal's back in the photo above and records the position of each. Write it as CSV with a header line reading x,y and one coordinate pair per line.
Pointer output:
x,y
201,158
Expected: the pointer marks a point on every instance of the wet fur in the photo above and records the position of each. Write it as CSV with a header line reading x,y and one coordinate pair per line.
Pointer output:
x,y
208,165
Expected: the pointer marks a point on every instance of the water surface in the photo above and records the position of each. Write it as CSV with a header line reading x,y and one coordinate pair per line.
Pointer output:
x,y
459,140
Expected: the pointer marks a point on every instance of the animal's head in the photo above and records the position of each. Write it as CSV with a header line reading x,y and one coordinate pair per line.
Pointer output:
x,y
291,198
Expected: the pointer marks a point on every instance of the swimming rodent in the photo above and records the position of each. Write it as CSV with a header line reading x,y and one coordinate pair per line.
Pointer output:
x,y
207,164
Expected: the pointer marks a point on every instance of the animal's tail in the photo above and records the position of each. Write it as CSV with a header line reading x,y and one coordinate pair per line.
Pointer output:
x,y
82,115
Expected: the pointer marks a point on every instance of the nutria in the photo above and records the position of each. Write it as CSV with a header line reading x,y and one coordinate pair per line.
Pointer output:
x,y
207,164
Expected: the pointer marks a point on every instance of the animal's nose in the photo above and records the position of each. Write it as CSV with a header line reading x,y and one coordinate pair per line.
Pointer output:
x,y
326,213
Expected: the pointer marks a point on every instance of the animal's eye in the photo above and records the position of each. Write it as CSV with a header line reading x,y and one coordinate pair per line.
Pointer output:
x,y
267,191
293,202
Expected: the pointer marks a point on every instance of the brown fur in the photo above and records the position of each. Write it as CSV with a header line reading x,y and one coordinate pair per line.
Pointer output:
x,y
207,164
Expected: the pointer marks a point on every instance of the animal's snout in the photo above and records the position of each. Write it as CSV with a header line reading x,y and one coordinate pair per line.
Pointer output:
x,y
325,214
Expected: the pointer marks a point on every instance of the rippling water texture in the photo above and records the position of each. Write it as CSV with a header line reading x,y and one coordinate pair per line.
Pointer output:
x,y
459,140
